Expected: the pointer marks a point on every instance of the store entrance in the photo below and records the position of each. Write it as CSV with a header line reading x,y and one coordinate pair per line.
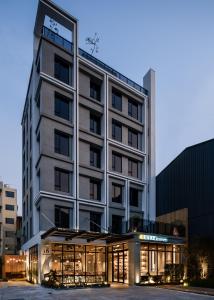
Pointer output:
x,y
120,267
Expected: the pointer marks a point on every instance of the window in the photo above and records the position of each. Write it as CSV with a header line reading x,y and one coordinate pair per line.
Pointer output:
x,y
133,168
38,67
27,230
95,90
26,125
94,157
30,108
9,194
117,224
38,177
62,180
95,189
26,178
133,109
30,168
23,185
133,138
62,107
116,100
9,207
23,135
95,221
95,123
30,139
24,235
24,212
116,130
31,227
9,221
134,197
27,206
23,161
61,143
117,193
116,162
31,198
38,141
62,70
27,152
62,217
10,234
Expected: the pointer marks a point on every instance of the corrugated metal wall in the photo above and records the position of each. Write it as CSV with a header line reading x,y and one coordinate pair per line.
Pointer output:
x,y
189,182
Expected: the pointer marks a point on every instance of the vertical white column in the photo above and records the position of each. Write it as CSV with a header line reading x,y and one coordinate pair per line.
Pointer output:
x,y
149,84
76,126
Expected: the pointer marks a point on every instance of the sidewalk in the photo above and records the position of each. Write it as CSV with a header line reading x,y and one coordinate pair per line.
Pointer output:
x,y
5,284
189,289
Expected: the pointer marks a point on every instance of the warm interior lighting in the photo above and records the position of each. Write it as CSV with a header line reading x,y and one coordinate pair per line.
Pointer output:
x,y
137,278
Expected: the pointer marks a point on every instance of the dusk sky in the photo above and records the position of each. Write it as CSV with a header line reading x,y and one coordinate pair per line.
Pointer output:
x,y
174,37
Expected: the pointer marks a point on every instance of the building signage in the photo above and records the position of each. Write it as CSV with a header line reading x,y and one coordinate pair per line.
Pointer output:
x,y
153,238
46,249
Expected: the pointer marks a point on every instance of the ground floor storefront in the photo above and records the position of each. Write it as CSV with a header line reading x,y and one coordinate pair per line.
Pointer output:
x,y
72,259
13,266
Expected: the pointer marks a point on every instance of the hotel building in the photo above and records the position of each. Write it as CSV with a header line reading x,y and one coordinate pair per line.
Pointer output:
x,y
88,165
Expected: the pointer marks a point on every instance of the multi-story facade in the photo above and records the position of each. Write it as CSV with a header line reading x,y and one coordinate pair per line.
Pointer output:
x,y
88,144
8,217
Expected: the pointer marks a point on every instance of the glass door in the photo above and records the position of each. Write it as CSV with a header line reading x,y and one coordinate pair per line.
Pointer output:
x,y
120,267
115,266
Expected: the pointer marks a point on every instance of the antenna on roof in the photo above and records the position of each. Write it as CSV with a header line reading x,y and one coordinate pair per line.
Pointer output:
x,y
93,41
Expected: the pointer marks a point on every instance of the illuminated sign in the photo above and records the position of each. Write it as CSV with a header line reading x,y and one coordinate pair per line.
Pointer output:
x,y
153,238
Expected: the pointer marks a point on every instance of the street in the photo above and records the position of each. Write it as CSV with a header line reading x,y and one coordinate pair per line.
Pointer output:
x,y
25,291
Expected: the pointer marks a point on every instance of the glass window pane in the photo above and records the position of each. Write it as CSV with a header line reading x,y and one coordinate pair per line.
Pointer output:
x,y
161,263
62,108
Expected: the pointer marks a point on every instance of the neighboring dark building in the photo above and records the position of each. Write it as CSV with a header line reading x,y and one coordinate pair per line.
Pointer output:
x,y
188,182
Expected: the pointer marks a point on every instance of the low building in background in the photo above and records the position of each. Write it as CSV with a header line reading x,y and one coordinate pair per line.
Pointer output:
x,y
185,193
8,217
11,264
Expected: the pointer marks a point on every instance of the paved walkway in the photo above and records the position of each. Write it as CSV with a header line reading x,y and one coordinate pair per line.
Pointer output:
x,y
25,291
197,290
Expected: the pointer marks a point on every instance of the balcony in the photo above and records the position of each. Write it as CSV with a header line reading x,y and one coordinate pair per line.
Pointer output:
x,y
140,225
113,72
57,39
154,227
62,42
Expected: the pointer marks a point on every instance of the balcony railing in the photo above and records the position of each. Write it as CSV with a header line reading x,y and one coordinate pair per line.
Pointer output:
x,y
113,72
136,224
59,40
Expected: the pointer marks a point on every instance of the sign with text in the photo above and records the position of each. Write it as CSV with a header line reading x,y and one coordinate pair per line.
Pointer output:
x,y
153,238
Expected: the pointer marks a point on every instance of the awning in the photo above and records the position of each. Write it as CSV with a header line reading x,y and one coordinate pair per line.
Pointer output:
x,y
90,236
